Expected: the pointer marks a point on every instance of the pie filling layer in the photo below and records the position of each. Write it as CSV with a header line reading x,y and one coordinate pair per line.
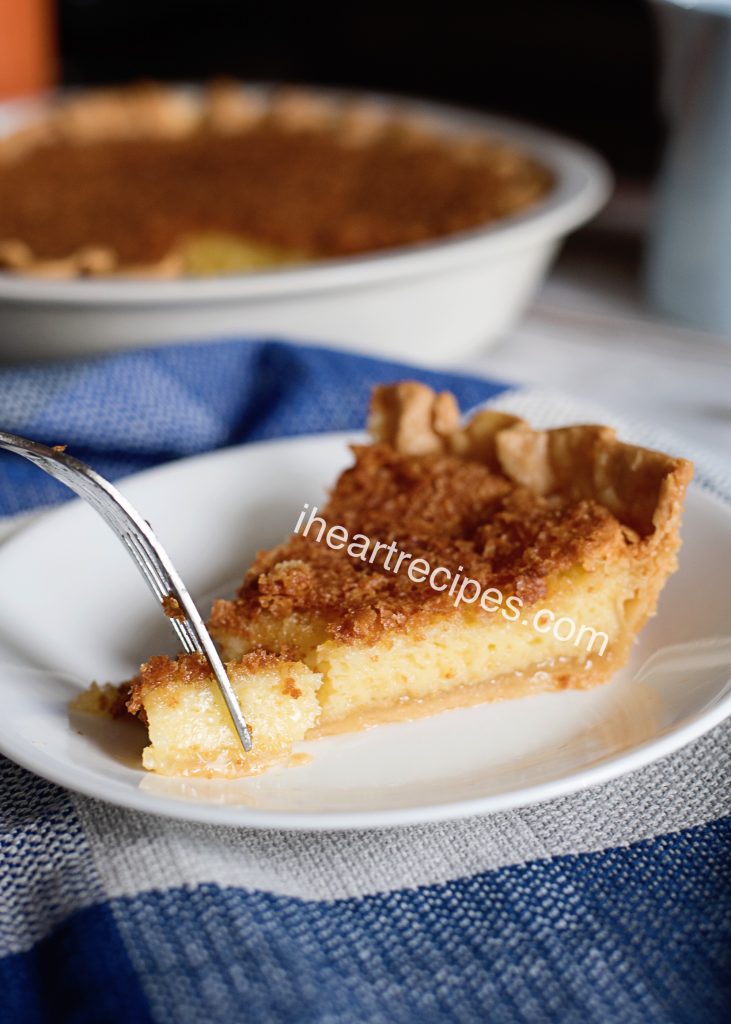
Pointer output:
x,y
570,526
343,687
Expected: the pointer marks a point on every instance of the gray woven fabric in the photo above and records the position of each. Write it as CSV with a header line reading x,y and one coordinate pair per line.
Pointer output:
x,y
127,852
134,851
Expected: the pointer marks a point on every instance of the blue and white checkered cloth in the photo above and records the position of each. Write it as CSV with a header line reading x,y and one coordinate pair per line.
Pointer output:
x,y
613,905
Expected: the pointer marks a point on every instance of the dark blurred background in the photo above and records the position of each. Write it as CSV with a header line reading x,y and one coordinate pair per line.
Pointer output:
x,y
588,69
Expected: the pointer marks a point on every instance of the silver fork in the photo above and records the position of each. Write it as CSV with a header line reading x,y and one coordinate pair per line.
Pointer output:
x,y
147,553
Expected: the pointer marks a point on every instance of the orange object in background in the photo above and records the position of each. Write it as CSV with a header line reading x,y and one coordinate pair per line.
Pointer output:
x,y
27,46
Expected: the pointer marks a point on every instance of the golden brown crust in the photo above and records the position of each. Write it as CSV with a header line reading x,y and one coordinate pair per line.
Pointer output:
x,y
371,180
413,419
639,486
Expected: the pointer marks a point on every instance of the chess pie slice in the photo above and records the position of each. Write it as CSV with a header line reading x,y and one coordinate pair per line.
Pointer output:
x,y
452,564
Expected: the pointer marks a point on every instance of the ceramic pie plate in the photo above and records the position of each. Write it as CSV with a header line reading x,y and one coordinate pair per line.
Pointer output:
x,y
73,609
402,302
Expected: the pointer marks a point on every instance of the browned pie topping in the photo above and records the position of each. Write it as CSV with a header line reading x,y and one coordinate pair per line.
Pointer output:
x,y
188,669
492,499
450,511
191,668
300,182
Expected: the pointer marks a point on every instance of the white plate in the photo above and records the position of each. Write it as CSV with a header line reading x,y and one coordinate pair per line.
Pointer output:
x,y
72,608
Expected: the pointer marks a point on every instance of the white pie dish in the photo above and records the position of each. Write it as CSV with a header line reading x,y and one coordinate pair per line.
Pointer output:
x,y
428,303
76,611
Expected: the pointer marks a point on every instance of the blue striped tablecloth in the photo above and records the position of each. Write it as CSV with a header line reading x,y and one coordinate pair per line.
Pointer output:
x,y
613,905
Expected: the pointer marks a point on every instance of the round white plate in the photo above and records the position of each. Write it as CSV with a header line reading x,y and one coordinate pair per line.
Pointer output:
x,y
73,609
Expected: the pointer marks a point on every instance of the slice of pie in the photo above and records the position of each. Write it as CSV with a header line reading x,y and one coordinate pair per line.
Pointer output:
x,y
153,180
452,564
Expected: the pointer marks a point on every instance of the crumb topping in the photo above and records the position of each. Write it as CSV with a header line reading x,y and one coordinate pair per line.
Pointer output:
x,y
491,499
297,178
450,511
188,669
171,607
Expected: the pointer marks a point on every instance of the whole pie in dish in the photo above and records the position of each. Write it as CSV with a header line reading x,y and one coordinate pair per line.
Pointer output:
x,y
152,180
452,564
